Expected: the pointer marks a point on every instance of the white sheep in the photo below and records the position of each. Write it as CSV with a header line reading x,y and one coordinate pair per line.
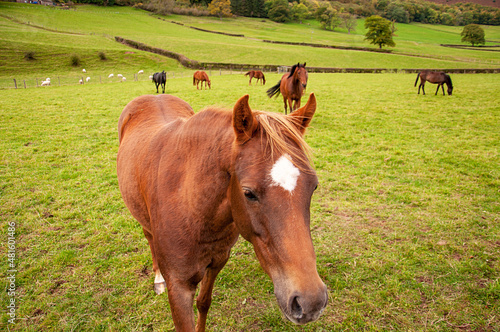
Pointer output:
x,y
141,71
48,79
87,79
80,81
84,70
124,79
119,75
150,77
110,75
45,83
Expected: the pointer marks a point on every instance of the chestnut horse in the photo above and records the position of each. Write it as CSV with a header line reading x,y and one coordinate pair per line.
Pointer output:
x,y
201,76
435,77
258,75
291,86
196,181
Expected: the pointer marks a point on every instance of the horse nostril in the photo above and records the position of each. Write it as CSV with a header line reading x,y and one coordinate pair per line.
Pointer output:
x,y
296,308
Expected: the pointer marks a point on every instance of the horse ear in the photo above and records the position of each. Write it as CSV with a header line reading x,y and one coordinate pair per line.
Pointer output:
x,y
244,122
304,65
303,116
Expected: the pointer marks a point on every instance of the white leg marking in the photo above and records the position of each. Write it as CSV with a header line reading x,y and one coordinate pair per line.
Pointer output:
x,y
285,174
160,284
158,277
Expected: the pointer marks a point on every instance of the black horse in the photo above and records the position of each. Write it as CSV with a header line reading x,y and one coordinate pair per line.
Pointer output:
x,y
436,77
160,78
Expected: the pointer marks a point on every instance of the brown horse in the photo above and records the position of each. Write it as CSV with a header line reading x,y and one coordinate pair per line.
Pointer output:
x,y
435,77
196,181
201,76
291,86
258,75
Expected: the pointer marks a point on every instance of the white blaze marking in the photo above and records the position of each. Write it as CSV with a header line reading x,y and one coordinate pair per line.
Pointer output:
x,y
285,174
158,277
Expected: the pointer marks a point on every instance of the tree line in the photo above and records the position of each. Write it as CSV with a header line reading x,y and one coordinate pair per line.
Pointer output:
x,y
330,14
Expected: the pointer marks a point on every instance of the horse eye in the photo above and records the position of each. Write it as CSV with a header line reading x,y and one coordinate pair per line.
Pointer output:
x,y
249,195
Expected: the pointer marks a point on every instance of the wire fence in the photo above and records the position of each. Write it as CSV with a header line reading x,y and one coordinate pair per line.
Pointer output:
x,y
89,78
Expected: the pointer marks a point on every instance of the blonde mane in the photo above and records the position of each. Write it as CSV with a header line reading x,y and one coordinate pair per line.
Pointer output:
x,y
279,130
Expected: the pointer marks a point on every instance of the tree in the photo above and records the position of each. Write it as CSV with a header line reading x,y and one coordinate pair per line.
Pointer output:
x,y
299,12
379,31
279,11
473,34
221,8
349,21
327,17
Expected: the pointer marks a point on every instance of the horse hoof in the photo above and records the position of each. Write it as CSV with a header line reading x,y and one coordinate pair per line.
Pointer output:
x,y
160,287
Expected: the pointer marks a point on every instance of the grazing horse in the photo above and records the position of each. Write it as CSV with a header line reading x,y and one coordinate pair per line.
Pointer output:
x,y
435,77
201,76
258,75
196,181
160,79
291,86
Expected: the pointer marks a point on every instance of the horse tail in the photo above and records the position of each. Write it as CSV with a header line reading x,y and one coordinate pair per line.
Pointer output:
x,y
194,80
418,75
275,90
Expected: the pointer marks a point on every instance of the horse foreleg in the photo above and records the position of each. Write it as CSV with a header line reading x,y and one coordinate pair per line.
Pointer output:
x,y
204,299
163,87
286,104
296,104
181,298
157,87
442,88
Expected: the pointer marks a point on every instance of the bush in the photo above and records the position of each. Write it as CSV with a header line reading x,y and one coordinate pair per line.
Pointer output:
x,y
30,56
102,56
75,60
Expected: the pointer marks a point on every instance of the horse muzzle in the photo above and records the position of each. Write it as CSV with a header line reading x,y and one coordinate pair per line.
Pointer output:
x,y
301,307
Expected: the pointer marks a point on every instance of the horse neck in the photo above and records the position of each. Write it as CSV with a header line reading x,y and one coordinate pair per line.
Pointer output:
x,y
208,136
296,85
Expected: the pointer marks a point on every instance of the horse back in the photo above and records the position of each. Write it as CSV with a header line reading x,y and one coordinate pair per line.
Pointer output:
x,y
149,112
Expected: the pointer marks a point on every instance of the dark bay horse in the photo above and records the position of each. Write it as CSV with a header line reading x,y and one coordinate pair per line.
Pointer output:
x,y
258,75
196,181
160,79
435,77
291,86
201,76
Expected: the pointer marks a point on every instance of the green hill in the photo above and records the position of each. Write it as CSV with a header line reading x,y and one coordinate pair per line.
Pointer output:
x,y
53,35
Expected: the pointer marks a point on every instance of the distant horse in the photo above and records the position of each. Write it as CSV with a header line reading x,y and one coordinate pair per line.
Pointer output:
x,y
193,203
435,77
258,75
291,86
160,79
201,76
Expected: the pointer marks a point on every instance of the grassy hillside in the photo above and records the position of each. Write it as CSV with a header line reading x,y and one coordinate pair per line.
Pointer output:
x,y
54,35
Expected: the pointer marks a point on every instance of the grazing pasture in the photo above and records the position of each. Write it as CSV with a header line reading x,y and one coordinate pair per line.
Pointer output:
x,y
405,221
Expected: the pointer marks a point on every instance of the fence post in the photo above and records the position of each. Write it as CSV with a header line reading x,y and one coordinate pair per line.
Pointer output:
x,y
15,83
25,84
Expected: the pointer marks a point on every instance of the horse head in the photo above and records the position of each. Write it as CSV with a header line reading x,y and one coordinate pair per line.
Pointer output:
x,y
299,74
271,186
449,84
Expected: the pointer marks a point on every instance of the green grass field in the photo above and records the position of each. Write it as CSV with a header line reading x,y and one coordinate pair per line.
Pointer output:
x,y
405,222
